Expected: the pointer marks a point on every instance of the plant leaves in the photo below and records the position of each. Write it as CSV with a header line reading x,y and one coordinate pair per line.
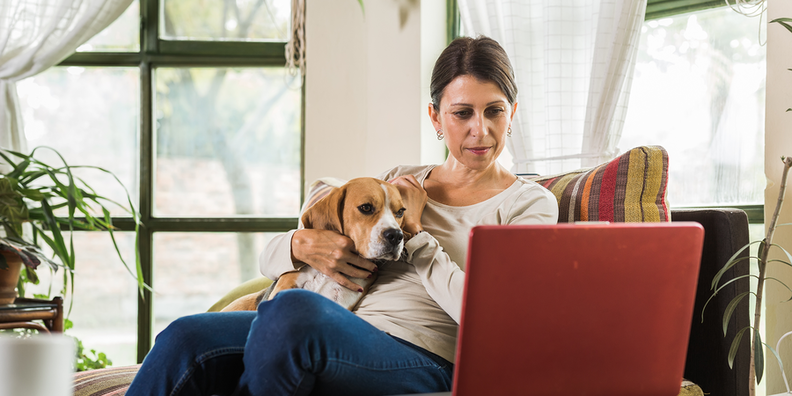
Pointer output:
x,y
730,309
762,247
758,356
730,263
715,293
778,357
782,284
735,346
783,22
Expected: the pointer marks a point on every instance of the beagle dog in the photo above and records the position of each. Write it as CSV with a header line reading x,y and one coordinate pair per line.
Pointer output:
x,y
368,211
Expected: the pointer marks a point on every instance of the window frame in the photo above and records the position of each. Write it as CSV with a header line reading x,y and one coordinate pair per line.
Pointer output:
x,y
154,53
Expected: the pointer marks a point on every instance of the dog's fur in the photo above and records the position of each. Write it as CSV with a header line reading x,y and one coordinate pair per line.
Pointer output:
x,y
368,211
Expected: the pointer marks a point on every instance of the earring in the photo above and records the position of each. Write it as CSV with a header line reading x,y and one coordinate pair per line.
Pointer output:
x,y
440,134
508,133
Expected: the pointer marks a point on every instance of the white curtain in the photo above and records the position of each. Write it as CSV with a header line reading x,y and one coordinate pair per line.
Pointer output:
x,y
35,35
573,62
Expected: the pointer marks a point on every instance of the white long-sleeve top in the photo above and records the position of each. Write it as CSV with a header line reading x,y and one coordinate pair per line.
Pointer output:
x,y
420,299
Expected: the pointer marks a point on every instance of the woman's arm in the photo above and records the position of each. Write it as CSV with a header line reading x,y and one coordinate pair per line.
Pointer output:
x,y
327,251
443,279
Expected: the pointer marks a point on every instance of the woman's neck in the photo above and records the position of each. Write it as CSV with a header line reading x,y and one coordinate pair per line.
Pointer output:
x,y
454,173
456,185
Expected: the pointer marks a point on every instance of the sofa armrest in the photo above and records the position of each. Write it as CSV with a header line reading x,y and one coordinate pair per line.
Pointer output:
x,y
725,232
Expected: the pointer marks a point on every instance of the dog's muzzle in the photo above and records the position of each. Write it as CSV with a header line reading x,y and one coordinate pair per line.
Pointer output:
x,y
391,244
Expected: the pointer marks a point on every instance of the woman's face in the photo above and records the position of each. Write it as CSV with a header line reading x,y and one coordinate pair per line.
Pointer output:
x,y
474,116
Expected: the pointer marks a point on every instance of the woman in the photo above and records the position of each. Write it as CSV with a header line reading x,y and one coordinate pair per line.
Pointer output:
x,y
401,339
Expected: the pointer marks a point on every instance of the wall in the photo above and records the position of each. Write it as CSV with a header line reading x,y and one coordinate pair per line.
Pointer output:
x,y
366,88
778,142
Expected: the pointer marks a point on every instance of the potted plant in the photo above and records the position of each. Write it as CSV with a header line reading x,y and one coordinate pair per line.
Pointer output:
x,y
41,205
762,260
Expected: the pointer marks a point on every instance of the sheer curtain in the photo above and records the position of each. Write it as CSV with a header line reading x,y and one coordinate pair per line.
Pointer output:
x,y
35,35
573,61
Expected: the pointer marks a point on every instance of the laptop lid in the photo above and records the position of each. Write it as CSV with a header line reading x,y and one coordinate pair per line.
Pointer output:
x,y
574,309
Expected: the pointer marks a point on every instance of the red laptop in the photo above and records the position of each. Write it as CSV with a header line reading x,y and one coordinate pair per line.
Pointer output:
x,y
577,309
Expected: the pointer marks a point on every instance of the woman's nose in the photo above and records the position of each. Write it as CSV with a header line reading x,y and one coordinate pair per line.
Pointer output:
x,y
479,126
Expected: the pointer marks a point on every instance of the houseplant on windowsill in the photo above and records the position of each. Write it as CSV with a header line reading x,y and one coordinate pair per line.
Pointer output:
x,y
41,205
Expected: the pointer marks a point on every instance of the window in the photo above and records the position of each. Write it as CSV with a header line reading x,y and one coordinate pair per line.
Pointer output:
x,y
188,102
698,90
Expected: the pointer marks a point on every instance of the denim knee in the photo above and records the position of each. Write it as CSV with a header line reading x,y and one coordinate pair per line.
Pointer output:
x,y
296,314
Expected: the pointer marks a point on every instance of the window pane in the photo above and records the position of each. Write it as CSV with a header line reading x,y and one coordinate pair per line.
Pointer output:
x,y
123,35
91,116
192,271
699,92
228,142
104,312
240,20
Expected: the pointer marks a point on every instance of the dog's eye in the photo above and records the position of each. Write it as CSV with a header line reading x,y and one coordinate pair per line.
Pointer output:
x,y
399,213
366,209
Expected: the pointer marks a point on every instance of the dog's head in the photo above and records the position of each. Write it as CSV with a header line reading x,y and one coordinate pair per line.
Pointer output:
x,y
367,210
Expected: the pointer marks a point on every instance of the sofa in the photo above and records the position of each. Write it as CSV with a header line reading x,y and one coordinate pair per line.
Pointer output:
x,y
630,188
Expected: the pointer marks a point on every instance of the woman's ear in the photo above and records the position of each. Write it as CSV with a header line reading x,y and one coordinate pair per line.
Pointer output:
x,y
434,116
514,110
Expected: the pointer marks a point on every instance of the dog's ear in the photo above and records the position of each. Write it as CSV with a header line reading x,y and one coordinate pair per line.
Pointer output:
x,y
327,214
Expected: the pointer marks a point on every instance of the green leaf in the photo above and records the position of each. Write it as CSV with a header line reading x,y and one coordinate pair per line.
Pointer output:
x,y
730,309
783,22
789,256
715,293
782,284
758,356
730,263
762,246
32,194
362,7
735,346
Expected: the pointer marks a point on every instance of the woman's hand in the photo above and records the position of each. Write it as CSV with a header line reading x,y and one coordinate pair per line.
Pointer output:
x,y
331,254
414,198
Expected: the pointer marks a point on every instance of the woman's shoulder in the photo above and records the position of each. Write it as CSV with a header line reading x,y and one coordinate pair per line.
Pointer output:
x,y
530,194
419,171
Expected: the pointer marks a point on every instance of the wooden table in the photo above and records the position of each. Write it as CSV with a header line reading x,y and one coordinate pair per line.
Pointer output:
x,y
23,311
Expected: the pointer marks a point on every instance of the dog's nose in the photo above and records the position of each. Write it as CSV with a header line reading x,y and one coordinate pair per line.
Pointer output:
x,y
393,235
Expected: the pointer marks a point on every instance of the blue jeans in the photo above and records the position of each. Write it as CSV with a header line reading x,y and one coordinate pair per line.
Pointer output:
x,y
299,343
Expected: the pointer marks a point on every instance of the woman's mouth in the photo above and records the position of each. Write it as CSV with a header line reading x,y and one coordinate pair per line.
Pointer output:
x,y
479,150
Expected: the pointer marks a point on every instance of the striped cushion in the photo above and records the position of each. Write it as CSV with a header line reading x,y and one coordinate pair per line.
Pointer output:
x,y
629,188
112,381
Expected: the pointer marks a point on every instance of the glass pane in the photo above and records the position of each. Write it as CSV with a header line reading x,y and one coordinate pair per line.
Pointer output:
x,y
228,142
123,35
104,312
91,115
192,271
240,20
699,92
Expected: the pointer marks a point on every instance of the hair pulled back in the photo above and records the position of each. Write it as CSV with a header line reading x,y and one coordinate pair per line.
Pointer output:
x,y
482,58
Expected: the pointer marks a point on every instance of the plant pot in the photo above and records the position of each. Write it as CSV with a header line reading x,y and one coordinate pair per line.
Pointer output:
x,y
9,278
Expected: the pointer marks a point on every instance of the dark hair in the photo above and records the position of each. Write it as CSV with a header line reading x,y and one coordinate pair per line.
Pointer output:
x,y
482,58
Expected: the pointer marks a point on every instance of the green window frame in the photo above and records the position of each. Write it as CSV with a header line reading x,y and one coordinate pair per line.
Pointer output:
x,y
155,52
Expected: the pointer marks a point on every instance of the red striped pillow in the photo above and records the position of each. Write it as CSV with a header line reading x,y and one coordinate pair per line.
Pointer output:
x,y
629,188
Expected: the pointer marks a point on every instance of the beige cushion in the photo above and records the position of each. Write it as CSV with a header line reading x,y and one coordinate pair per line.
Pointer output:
x,y
251,286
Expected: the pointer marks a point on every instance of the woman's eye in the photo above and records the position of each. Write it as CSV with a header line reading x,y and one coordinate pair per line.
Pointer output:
x,y
462,114
366,209
399,213
496,111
